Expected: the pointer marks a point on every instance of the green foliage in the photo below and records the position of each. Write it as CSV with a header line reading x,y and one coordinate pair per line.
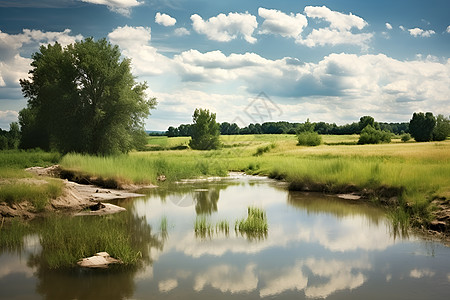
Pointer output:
x,y
370,135
10,139
421,126
442,129
365,121
308,138
83,98
204,130
405,137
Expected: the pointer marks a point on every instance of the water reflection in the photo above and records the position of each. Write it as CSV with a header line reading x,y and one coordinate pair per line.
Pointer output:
x,y
317,247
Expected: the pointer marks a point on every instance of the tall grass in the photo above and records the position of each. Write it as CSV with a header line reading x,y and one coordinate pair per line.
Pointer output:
x,y
255,225
146,167
19,159
203,227
37,194
64,240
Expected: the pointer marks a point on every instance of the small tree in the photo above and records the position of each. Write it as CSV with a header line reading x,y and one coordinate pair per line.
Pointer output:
x,y
367,120
442,129
307,136
204,131
370,135
421,126
405,137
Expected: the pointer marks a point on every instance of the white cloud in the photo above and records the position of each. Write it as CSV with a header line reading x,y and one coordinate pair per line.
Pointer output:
x,y
421,273
448,29
182,31
119,6
6,118
227,278
277,22
402,27
13,66
167,285
164,19
416,32
336,19
388,26
339,30
135,44
381,86
224,28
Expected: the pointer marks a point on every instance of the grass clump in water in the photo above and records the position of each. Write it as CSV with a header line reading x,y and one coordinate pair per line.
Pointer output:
x,y
124,236
255,225
205,228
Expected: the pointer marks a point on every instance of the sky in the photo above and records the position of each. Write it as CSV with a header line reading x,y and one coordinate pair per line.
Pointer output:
x,y
250,61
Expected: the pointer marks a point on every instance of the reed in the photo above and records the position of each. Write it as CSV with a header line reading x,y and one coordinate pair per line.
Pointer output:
x,y
255,225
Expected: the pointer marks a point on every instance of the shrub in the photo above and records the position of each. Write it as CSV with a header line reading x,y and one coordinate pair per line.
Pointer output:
x,y
406,137
309,138
370,135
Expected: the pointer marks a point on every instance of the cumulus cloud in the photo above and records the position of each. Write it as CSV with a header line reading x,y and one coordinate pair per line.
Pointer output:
x,y
388,26
277,22
135,44
338,80
181,31
448,29
227,278
421,273
417,32
119,6
336,19
6,118
339,30
13,66
224,28
164,19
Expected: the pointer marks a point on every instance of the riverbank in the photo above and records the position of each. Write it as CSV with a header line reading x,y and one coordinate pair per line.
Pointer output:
x,y
75,198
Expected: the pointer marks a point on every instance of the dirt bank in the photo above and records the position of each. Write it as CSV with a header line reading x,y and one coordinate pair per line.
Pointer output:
x,y
75,198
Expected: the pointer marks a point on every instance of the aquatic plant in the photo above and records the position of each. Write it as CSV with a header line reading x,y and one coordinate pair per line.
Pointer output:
x,y
255,225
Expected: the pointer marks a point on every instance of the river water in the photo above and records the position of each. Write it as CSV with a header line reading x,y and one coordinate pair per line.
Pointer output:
x,y
316,246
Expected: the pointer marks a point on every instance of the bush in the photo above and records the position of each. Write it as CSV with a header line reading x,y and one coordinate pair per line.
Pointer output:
x,y
406,137
308,138
370,135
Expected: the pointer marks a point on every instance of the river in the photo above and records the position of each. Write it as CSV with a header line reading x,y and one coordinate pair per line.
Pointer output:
x,y
317,246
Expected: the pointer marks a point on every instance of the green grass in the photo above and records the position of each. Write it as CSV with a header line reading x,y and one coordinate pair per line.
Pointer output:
x,y
17,159
203,227
12,235
37,194
255,225
65,240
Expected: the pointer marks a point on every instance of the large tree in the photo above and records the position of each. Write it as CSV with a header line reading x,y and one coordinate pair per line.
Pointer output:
x,y
421,126
204,131
83,98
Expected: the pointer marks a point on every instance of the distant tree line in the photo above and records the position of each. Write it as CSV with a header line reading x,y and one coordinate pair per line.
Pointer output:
x,y
10,139
283,127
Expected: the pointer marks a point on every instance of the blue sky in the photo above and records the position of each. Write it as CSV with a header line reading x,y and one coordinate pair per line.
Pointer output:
x,y
330,60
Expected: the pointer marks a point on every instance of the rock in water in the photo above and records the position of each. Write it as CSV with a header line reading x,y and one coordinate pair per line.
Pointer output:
x,y
99,260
